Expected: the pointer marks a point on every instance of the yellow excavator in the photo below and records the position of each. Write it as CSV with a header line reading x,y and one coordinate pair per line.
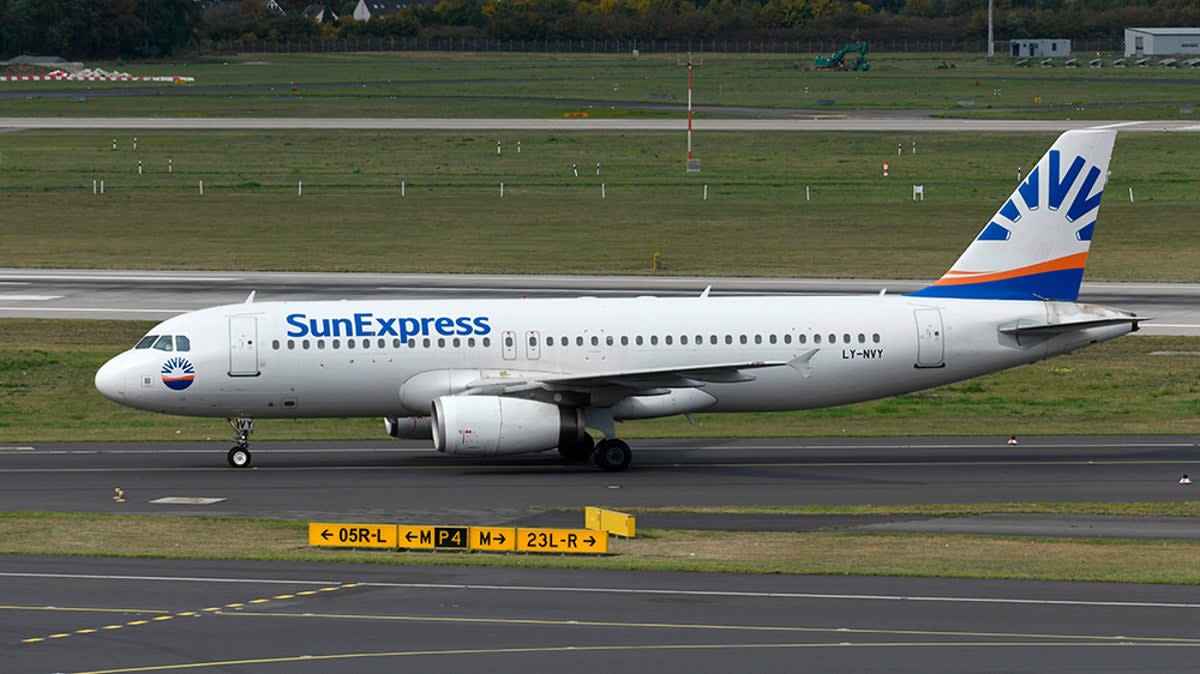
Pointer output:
x,y
837,60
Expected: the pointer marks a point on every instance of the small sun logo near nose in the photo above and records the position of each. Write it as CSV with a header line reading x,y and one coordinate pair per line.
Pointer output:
x,y
178,374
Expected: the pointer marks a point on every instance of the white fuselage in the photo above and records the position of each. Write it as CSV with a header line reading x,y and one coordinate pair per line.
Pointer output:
x,y
279,359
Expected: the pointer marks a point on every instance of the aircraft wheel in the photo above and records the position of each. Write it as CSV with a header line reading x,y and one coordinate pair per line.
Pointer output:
x,y
579,451
239,457
612,455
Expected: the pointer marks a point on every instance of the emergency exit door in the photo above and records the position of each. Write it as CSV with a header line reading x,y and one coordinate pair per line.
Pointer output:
x,y
243,346
931,346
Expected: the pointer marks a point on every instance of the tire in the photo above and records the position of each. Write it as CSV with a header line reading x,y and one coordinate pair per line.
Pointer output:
x,y
612,455
238,457
579,451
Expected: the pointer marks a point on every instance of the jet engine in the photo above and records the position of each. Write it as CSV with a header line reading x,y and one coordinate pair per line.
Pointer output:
x,y
491,425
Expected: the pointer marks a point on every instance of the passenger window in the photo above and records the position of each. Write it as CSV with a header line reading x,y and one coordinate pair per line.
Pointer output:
x,y
275,344
772,338
875,338
145,342
683,339
487,341
425,342
349,343
608,340
667,340
304,344
595,341
832,338
182,343
742,339
624,340
712,339
532,340
291,344
457,342
758,339
846,338
337,343
164,343
471,341
396,343
729,339
579,341
699,339
862,339
441,342
817,338
549,341
382,343
321,344
787,339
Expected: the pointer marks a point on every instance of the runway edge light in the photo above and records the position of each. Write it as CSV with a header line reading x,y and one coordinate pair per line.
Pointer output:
x,y
616,523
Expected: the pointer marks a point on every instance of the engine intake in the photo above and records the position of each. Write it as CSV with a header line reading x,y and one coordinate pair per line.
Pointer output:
x,y
491,425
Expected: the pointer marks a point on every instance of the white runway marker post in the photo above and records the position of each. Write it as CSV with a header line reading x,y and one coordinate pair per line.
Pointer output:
x,y
497,148
706,192
299,188
1131,195
501,190
575,170
603,191
139,167
170,167
807,194
94,186
403,187
135,142
201,188
101,187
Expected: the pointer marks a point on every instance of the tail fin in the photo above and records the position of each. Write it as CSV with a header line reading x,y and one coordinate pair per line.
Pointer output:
x,y
1036,245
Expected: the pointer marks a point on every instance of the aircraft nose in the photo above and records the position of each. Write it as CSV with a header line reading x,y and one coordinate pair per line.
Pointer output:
x,y
110,381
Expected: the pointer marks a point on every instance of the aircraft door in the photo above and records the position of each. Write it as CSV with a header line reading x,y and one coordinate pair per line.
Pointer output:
x,y
243,346
533,345
931,348
508,345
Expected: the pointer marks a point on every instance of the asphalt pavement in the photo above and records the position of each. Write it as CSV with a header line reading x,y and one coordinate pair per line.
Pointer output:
x,y
125,615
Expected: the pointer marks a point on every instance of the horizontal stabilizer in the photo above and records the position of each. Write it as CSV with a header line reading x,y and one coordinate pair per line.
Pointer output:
x,y
1051,329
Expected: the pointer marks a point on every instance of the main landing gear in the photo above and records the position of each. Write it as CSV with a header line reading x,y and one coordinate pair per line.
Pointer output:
x,y
612,454
239,455
579,451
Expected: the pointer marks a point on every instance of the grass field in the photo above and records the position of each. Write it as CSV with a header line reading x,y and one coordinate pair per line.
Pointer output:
x,y
506,84
756,220
822,552
46,394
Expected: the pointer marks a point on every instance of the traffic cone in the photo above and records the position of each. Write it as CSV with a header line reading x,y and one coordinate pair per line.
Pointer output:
x,y
1185,479
1012,440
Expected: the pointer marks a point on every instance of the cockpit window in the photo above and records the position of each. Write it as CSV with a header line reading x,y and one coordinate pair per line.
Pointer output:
x,y
182,343
146,342
164,343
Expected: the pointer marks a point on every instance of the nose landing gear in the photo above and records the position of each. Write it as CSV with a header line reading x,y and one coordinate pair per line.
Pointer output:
x,y
239,455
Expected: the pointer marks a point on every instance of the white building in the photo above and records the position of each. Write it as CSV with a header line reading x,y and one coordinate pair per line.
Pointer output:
x,y
1161,41
366,10
1041,48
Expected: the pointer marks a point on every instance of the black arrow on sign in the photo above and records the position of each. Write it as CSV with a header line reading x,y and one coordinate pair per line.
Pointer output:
x,y
325,534
500,539
590,540
408,537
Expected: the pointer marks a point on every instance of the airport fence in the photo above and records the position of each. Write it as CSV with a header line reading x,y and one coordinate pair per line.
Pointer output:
x,y
467,44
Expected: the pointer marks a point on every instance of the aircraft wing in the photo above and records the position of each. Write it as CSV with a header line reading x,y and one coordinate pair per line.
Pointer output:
x,y
626,382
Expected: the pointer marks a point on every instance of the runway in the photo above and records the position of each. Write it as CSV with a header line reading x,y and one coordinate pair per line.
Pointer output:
x,y
405,481
113,615
156,295
815,122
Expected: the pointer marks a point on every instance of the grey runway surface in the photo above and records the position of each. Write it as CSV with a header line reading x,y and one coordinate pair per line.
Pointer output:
x,y
817,122
394,481
115,615
155,295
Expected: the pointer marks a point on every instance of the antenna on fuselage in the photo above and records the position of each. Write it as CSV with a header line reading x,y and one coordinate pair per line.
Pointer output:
x,y
250,297
705,292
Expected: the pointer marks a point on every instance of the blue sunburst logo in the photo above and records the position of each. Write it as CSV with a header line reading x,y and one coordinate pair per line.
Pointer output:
x,y
178,373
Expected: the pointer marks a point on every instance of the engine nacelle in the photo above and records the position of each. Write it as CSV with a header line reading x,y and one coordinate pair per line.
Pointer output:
x,y
409,428
490,425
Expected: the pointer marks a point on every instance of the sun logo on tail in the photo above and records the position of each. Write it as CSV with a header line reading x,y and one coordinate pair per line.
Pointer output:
x,y
178,373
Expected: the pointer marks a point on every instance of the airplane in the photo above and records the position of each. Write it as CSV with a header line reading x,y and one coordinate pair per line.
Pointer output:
x,y
494,377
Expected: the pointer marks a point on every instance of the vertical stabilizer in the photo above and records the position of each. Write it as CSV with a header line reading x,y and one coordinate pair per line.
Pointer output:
x,y
1035,247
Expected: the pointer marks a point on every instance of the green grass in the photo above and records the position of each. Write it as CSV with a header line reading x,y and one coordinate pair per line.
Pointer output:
x,y
47,366
820,552
507,84
1168,509
755,222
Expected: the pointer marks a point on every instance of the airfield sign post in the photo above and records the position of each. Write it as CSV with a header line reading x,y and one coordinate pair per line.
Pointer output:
x,y
693,164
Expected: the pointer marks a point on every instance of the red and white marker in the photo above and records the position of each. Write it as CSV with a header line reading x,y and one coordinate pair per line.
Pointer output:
x,y
885,168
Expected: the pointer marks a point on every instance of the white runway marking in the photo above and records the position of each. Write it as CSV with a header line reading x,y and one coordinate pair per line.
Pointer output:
x,y
1116,125
16,449
112,277
628,591
187,500
30,298
106,310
